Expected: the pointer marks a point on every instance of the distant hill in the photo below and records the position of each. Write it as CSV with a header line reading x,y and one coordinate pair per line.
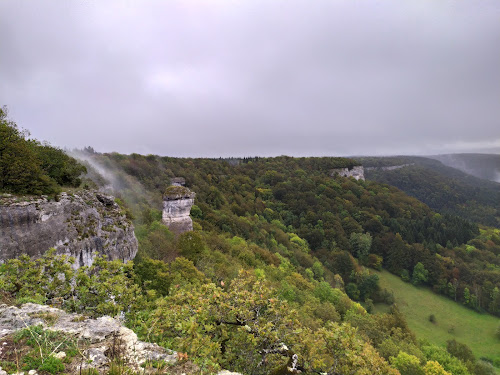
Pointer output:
x,y
485,166
443,188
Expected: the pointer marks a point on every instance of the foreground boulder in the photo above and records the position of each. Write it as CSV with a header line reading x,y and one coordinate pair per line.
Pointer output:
x,y
100,341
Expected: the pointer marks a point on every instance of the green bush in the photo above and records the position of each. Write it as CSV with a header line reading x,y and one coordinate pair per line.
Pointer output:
x,y
49,364
104,288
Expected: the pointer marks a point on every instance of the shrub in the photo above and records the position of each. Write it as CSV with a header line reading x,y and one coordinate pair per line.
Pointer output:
x,y
407,364
405,275
459,350
104,288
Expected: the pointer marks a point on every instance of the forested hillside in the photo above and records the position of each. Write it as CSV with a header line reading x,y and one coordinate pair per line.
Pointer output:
x,y
444,189
186,219
262,213
277,275
278,203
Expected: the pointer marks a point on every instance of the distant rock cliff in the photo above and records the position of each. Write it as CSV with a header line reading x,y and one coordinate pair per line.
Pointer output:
x,y
357,172
78,224
177,203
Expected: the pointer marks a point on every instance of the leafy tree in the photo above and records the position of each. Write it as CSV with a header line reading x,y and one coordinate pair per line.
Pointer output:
x,y
196,212
159,276
191,244
405,275
361,244
156,241
434,368
466,296
318,270
460,351
336,349
246,328
64,169
398,255
445,359
483,368
495,301
352,291
419,275
407,364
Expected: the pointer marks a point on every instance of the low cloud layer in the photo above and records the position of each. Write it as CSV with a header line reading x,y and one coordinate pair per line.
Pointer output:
x,y
221,78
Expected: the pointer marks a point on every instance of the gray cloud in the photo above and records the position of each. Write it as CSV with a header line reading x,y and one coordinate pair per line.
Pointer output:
x,y
215,78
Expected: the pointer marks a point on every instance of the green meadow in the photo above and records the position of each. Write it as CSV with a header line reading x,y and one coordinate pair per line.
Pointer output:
x,y
452,320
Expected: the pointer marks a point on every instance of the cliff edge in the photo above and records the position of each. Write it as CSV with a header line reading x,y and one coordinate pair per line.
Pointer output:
x,y
78,224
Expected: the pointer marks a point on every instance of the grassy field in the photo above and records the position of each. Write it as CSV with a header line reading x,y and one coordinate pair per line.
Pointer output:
x,y
452,319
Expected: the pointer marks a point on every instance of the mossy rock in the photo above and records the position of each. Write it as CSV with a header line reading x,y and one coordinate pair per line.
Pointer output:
x,y
177,192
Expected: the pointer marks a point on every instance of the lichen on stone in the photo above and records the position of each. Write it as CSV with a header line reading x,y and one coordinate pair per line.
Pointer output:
x,y
174,192
80,224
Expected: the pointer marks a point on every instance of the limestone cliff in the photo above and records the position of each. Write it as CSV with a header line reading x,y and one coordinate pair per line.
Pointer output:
x,y
177,203
78,224
357,172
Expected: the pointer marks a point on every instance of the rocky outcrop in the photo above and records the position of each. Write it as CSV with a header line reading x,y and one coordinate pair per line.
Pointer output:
x,y
177,203
80,225
99,339
357,172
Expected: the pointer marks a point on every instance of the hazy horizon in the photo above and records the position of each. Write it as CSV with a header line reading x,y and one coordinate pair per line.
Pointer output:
x,y
255,78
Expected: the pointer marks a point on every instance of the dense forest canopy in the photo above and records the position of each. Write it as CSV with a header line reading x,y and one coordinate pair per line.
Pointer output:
x,y
284,204
260,212
278,273
442,188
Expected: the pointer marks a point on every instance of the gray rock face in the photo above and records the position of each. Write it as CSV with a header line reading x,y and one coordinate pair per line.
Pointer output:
x,y
101,334
357,172
177,203
79,225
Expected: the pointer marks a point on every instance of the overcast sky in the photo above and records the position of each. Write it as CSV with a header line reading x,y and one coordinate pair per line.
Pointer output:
x,y
221,78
